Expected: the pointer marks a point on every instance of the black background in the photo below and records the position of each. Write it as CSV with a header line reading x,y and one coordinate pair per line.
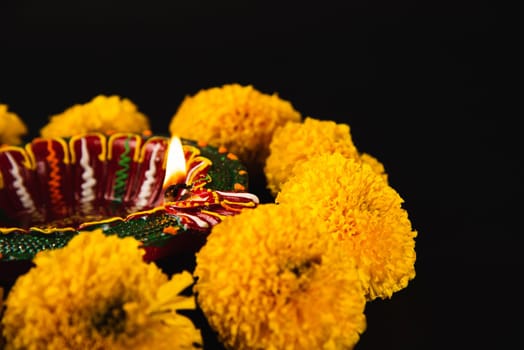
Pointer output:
x,y
416,83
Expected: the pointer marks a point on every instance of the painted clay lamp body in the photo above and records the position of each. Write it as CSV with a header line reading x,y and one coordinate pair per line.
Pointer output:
x,y
53,188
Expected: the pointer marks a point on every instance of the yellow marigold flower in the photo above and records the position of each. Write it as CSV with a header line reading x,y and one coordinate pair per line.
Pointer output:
x,y
356,206
12,128
296,142
101,114
98,293
265,280
240,118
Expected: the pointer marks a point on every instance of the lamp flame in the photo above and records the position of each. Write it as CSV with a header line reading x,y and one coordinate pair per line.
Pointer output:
x,y
175,164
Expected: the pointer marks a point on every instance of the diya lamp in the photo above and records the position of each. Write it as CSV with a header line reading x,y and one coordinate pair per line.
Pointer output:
x,y
167,193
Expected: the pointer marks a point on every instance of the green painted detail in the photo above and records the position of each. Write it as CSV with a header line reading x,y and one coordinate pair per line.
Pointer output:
x,y
122,174
147,229
21,246
225,172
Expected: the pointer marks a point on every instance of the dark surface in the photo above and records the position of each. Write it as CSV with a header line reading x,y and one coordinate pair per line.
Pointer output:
x,y
417,85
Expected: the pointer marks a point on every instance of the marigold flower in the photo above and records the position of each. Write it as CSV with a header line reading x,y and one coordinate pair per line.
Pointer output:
x,y
98,293
240,118
296,142
266,280
101,114
12,128
357,207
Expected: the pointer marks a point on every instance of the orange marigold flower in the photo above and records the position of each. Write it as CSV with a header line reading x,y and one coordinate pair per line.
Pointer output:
x,y
296,142
267,280
357,207
101,114
241,118
12,128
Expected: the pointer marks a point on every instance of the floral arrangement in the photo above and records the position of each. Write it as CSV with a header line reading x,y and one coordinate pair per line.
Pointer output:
x,y
293,273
